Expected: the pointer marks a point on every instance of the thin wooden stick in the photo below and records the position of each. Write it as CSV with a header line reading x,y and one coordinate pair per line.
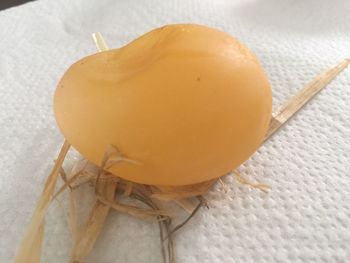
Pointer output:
x,y
294,104
33,236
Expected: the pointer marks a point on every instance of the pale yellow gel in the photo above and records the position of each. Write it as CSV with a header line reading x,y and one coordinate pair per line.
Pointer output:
x,y
188,103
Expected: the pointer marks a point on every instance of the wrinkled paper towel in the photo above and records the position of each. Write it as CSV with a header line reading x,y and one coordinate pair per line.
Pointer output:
x,y
306,215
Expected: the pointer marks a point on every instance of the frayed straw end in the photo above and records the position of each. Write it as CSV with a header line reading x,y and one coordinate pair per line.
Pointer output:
x,y
263,187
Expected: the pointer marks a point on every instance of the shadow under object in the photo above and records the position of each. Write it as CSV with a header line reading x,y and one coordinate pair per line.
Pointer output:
x,y
11,3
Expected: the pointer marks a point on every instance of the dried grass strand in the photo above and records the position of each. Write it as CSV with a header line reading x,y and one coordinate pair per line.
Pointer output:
x,y
181,192
263,187
64,177
170,241
99,42
37,246
134,211
111,157
223,185
87,236
32,240
185,204
73,217
167,248
179,226
295,103
66,184
128,188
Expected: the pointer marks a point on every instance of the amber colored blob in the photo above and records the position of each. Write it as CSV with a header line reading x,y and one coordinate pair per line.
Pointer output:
x,y
187,102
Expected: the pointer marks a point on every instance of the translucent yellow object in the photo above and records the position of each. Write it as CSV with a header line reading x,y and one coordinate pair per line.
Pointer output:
x,y
188,103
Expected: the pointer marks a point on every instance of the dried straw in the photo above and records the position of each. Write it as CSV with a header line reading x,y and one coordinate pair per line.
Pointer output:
x,y
186,204
30,247
105,191
181,192
294,104
87,236
242,180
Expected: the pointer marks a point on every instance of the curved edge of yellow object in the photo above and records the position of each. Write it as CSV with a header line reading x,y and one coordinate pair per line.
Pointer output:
x,y
188,103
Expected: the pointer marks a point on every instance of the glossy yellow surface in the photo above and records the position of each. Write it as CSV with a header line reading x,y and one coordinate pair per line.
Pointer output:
x,y
187,102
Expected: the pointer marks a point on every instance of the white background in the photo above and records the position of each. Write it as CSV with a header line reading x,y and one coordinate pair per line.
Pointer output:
x,y
306,215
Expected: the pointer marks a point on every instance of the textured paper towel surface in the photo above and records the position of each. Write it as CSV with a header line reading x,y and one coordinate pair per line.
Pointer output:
x,y
306,216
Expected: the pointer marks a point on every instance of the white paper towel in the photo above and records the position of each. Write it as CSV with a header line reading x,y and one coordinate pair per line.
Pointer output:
x,y
306,216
